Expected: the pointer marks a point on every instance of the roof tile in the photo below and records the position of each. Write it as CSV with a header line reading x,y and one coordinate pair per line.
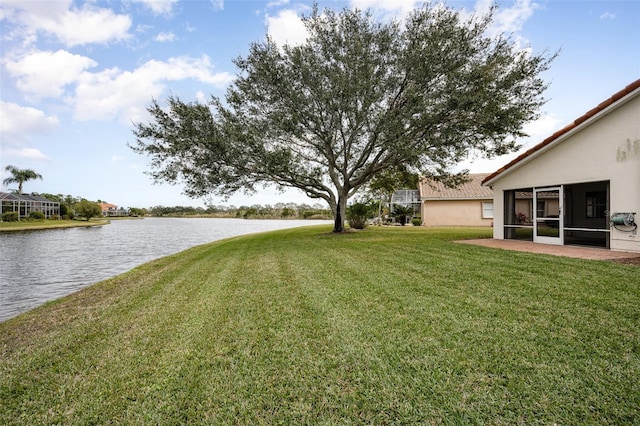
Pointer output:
x,y
472,189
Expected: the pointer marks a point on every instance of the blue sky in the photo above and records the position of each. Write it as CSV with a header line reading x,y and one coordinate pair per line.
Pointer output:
x,y
76,74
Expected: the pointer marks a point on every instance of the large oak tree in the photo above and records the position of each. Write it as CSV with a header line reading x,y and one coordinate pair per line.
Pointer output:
x,y
357,98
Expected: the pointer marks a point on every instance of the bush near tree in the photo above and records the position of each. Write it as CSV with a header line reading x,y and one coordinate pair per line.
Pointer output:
x,y
357,215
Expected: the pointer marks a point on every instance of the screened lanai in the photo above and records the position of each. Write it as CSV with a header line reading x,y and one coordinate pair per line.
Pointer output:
x,y
25,204
407,198
564,214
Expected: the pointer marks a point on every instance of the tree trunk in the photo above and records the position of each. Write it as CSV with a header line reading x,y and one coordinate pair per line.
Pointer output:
x,y
341,208
338,223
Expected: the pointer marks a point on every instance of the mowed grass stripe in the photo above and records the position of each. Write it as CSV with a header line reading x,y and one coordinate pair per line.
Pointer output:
x,y
389,325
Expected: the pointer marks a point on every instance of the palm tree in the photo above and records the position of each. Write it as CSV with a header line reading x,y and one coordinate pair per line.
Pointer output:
x,y
402,213
19,176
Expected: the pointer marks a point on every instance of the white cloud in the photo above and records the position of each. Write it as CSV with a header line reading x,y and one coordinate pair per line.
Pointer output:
x,y
184,67
286,28
16,9
201,97
124,94
70,25
537,130
217,4
507,19
45,74
542,128
165,37
277,3
17,121
89,25
27,154
608,15
159,7
512,19
17,125
397,7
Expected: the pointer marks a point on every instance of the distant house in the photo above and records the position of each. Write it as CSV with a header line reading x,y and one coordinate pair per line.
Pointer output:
x,y
25,204
469,204
111,210
581,185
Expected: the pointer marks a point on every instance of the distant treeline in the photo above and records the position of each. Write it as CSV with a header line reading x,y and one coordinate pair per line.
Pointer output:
x,y
256,211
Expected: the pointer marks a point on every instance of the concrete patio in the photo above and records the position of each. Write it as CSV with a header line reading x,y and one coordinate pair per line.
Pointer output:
x,y
580,252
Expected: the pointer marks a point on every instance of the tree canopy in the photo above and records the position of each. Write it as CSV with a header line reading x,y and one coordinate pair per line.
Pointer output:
x,y
359,97
87,209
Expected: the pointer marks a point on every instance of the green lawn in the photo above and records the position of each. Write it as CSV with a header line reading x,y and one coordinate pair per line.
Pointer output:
x,y
391,325
32,225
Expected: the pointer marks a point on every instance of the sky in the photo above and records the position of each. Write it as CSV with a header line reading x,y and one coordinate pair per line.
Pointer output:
x,y
75,75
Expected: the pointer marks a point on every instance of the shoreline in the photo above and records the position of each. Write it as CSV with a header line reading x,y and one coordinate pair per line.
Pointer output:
x,y
41,226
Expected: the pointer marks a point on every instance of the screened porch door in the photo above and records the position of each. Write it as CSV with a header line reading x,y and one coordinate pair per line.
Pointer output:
x,y
548,222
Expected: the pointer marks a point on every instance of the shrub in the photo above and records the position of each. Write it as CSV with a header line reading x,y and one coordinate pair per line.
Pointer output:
x,y
10,217
37,216
416,221
357,215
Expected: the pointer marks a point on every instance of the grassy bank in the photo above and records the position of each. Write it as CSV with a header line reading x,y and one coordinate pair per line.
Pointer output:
x,y
387,326
33,225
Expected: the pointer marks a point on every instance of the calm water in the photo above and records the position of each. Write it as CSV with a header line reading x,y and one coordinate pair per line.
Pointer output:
x,y
38,266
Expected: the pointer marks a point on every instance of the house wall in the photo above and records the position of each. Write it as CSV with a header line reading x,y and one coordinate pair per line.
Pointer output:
x,y
608,149
454,213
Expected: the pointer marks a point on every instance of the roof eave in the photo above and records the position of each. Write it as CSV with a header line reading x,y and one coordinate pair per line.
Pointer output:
x,y
614,102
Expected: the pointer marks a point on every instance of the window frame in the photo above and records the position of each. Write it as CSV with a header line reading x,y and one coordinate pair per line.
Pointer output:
x,y
595,205
484,210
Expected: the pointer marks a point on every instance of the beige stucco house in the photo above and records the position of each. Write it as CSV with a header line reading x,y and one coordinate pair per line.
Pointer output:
x,y
580,185
469,204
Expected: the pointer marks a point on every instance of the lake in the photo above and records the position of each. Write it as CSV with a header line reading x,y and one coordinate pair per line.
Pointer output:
x,y
38,266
